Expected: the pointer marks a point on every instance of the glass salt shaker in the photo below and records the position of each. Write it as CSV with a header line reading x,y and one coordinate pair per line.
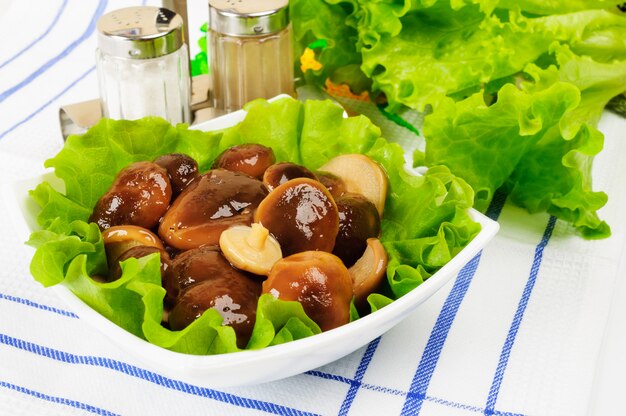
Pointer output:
x,y
142,65
250,51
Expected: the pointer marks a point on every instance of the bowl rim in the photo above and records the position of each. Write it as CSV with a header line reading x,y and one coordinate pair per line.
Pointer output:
x,y
183,363
177,363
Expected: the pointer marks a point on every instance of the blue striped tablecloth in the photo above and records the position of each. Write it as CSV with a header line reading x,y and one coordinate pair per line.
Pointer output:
x,y
530,326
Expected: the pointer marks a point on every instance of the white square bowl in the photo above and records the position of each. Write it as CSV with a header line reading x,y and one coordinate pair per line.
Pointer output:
x,y
246,367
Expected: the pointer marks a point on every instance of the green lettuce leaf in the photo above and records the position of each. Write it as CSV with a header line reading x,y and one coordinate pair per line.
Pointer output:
x,y
204,336
537,140
493,73
548,7
56,205
278,322
426,219
318,21
62,242
88,163
484,144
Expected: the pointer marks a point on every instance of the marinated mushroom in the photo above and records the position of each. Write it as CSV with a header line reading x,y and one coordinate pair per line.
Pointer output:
x,y
368,272
319,281
361,175
139,195
251,159
279,173
194,266
301,214
250,248
115,269
181,170
212,203
230,292
333,183
358,221
120,238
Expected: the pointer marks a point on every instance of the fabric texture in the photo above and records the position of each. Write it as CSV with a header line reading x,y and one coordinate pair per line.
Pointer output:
x,y
519,331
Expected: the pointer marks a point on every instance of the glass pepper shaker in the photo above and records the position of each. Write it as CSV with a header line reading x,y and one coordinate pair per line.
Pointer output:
x,y
250,51
142,65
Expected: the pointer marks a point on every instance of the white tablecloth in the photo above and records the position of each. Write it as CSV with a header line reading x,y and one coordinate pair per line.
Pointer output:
x,y
532,326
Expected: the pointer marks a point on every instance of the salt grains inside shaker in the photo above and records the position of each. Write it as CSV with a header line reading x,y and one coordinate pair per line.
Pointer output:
x,y
142,64
250,51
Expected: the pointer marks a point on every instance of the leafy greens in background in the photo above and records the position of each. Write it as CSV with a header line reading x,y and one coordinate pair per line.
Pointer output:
x,y
424,225
513,90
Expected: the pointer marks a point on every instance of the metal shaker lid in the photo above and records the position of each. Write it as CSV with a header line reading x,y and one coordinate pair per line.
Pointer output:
x,y
248,17
140,32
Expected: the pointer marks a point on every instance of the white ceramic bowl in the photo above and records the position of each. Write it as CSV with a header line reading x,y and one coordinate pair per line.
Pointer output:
x,y
246,367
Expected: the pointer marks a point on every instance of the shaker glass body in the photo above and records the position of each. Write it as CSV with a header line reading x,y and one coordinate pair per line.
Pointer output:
x,y
244,68
134,88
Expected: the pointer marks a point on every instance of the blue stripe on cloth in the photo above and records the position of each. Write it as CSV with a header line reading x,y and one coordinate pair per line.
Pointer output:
x,y
496,205
396,392
469,408
42,69
434,345
454,405
315,373
39,38
328,376
501,413
33,304
50,101
60,400
517,319
371,349
358,377
381,389
150,376
439,333
474,409
33,114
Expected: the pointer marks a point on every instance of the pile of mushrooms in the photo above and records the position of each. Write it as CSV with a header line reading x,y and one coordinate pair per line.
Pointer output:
x,y
250,226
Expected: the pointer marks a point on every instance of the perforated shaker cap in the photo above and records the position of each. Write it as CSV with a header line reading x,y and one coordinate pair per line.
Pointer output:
x,y
140,32
248,17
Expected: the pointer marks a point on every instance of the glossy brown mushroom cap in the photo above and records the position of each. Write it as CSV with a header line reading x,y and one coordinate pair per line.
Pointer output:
x,y
139,195
301,214
358,221
194,266
279,173
231,293
319,281
335,185
250,159
181,170
209,205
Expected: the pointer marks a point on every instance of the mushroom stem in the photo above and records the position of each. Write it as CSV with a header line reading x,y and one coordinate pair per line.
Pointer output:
x,y
250,248
368,272
258,235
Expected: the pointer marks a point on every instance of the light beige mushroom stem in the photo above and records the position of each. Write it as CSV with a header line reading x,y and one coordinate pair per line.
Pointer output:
x,y
257,236
368,272
361,175
250,248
